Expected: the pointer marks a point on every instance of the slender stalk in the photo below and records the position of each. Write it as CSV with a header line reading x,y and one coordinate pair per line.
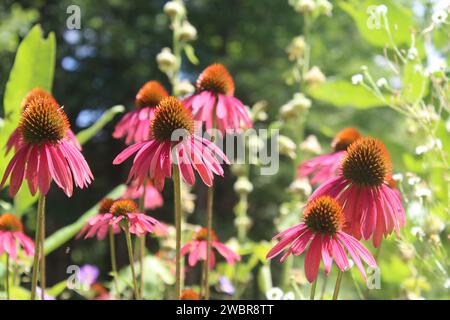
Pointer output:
x,y
142,245
7,277
131,258
209,209
112,249
177,197
338,285
37,251
42,267
313,290
209,216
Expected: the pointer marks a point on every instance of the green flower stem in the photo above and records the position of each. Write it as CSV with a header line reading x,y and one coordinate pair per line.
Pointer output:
x,y
177,197
131,258
313,290
38,247
42,267
112,249
7,277
338,285
142,245
209,209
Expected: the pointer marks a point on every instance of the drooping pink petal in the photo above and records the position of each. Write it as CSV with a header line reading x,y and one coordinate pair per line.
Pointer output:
x,y
312,259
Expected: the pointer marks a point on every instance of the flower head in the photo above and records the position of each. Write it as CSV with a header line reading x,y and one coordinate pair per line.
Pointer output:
x,y
214,101
46,150
11,232
371,207
197,249
326,166
322,231
135,125
122,213
45,121
173,141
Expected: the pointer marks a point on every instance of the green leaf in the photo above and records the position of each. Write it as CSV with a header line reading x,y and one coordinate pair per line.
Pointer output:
x,y
344,94
57,289
190,54
33,67
107,116
64,234
372,27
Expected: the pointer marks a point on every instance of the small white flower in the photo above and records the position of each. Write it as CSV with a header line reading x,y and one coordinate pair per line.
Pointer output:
x,y
305,6
439,17
325,7
243,186
185,87
287,146
423,193
274,293
315,76
174,8
397,177
301,185
413,53
166,60
188,32
421,149
311,144
357,79
382,82
382,9
417,232
289,296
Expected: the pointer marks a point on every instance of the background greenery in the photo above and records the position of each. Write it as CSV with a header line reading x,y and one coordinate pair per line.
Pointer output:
x,y
106,62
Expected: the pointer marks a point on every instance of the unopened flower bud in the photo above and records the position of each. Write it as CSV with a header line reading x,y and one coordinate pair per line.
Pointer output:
x,y
296,48
315,76
243,186
174,9
287,147
324,7
187,32
305,6
185,87
166,60
433,225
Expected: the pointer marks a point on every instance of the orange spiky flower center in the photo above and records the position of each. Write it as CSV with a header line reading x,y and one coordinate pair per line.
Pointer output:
x,y
122,207
189,294
171,115
9,222
345,138
217,79
43,120
202,235
105,205
150,95
324,215
367,163
33,93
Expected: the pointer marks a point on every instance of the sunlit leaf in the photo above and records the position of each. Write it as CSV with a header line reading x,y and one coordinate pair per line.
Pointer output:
x,y
342,93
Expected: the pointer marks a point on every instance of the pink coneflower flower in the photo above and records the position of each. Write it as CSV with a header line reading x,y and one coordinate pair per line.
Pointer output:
x,y
122,213
371,207
214,97
11,233
323,221
326,166
197,248
152,197
135,125
154,158
15,139
45,153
